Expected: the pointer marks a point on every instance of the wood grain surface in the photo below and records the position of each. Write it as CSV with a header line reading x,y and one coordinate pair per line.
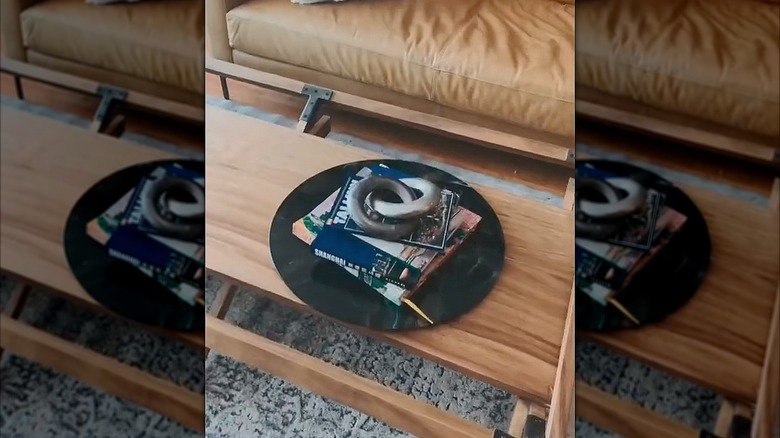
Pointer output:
x,y
45,167
511,340
719,338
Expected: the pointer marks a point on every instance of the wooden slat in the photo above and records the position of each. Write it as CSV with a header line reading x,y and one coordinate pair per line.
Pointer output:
x,y
568,197
768,404
221,304
45,167
322,127
151,103
102,372
640,117
396,409
490,343
626,419
428,122
563,390
14,306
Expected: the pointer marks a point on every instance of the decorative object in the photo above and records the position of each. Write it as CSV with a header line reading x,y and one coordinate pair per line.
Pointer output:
x,y
457,285
669,278
116,284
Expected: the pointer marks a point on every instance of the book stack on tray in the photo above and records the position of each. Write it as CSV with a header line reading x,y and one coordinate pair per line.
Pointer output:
x,y
395,269
125,232
607,266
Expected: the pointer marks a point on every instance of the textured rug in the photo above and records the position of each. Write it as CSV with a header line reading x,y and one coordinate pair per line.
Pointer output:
x,y
36,402
243,402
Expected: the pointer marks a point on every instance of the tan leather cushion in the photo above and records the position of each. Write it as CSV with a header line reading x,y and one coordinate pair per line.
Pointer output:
x,y
718,60
159,41
508,59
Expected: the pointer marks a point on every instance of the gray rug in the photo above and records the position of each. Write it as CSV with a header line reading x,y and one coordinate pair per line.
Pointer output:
x,y
244,402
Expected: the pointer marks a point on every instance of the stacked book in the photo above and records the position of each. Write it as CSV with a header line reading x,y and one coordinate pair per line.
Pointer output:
x,y
606,267
124,231
395,269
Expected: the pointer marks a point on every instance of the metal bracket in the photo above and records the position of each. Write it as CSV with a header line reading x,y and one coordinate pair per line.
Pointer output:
x,y
108,95
316,94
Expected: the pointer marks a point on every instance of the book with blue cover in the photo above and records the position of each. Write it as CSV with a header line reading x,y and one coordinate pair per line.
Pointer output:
x,y
362,263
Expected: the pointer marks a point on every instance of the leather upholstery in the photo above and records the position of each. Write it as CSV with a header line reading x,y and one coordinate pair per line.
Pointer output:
x,y
717,60
159,42
506,59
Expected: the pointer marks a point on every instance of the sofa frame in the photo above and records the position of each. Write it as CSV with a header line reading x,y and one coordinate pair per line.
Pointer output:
x,y
686,130
107,118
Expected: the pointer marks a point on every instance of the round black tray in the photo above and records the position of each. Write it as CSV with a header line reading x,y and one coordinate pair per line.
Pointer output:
x,y
456,287
115,284
670,279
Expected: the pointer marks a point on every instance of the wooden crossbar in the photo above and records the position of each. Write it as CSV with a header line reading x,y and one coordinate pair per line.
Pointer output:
x,y
374,399
108,374
403,116
63,80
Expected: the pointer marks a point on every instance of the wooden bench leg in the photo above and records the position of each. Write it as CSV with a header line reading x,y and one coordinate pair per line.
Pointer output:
x,y
221,304
224,85
528,420
18,87
116,127
14,308
321,128
568,197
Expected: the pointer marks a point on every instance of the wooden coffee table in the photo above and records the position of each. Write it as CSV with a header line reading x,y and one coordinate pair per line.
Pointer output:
x,y
45,167
518,339
725,338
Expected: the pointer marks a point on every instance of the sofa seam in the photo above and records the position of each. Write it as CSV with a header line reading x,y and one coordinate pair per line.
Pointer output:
x,y
657,73
434,69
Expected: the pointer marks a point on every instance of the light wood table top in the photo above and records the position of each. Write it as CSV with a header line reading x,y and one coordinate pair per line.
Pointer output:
x,y
45,167
718,339
512,339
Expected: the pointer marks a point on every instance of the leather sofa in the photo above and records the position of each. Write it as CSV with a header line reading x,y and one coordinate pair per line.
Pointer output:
x,y
154,47
714,62
504,64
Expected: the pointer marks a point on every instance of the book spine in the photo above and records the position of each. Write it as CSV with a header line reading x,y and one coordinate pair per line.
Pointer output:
x,y
360,253
365,274
137,247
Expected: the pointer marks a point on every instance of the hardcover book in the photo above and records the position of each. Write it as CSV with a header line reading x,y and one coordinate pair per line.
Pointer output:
x,y
103,227
462,223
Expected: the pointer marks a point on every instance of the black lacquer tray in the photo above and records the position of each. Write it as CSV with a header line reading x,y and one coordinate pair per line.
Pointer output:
x,y
115,284
456,287
670,279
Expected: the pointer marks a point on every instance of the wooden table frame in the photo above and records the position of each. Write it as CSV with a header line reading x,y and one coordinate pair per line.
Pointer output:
x,y
530,419
598,106
105,120
754,416
47,271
